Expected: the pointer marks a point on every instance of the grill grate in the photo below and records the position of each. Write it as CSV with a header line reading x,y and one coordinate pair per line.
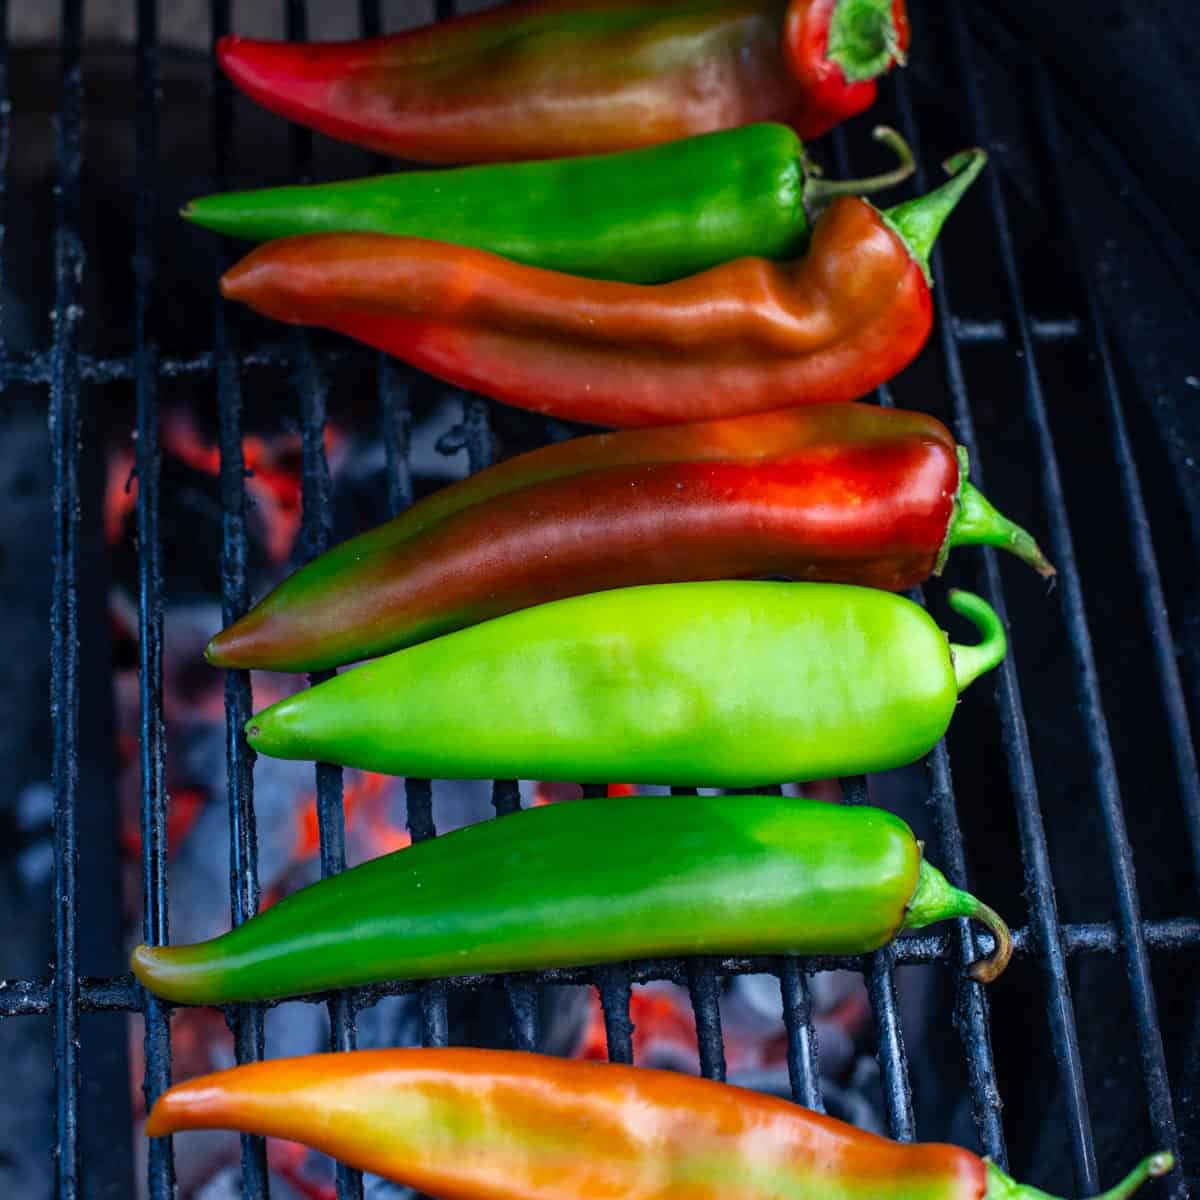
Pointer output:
x,y
1051,943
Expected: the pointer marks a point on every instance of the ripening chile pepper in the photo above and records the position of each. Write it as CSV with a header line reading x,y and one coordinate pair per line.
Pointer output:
x,y
722,684
845,493
642,216
565,77
588,882
747,336
507,1125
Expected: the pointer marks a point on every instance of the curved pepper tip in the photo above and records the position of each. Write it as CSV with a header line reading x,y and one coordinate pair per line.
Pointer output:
x,y
988,970
1001,1186
972,661
918,222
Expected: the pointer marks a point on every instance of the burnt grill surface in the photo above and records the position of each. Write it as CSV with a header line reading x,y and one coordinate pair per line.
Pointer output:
x,y
1073,956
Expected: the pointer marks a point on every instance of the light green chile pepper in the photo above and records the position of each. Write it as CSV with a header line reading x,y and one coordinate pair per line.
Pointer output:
x,y
722,684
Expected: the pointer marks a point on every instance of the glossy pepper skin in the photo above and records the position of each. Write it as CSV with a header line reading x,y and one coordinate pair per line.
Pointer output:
x,y
747,336
589,882
507,1125
719,684
641,216
566,77
845,493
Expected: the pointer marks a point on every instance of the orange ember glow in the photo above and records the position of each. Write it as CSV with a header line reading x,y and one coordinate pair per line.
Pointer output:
x,y
656,1018
365,804
273,468
183,808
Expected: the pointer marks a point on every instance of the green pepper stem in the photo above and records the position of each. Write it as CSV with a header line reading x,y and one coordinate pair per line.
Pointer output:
x,y
937,899
1003,1187
972,661
977,523
818,192
863,39
919,221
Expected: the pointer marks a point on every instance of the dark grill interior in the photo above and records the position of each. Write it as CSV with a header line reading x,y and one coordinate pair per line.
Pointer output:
x,y
1082,732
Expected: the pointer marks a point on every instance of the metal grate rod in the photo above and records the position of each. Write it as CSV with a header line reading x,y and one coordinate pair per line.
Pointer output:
x,y
1015,737
973,1027
1070,591
1183,746
64,640
246,1020
157,1040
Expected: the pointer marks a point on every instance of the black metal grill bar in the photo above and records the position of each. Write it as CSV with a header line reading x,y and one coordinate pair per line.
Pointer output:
x,y
1179,935
64,640
616,996
1015,737
34,367
316,528
246,1021
157,1039
881,992
1183,745
972,1004
803,1067
1070,591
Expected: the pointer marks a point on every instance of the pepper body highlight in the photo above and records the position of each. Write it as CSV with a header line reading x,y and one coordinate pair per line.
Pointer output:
x,y
842,493
506,1125
725,684
747,336
567,77
587,882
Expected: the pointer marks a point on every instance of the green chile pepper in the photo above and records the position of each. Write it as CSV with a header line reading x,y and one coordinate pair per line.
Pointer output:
x,y
640,216
730,684
588,882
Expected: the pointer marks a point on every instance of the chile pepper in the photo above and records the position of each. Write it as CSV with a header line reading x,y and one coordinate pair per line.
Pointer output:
x,y
846,493
588,882
719,684
642,216
747,336
564,77
510,1125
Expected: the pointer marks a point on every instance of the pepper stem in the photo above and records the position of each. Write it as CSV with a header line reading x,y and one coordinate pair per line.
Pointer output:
x,y
818,192
1003,1187
937,899
972,661
919,221
976,523
863,39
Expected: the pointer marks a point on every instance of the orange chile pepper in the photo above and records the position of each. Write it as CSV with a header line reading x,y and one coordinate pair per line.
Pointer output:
x,y
504,1125
562,77
747,336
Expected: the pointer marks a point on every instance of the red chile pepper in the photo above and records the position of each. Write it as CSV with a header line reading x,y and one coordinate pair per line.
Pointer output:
x,y
507,1125
846,493
564,77
747,336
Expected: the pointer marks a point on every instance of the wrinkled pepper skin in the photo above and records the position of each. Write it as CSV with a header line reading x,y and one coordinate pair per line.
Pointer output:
x,y
844,493
506,1125
595,881
566,77
641,216
724,684
747,336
